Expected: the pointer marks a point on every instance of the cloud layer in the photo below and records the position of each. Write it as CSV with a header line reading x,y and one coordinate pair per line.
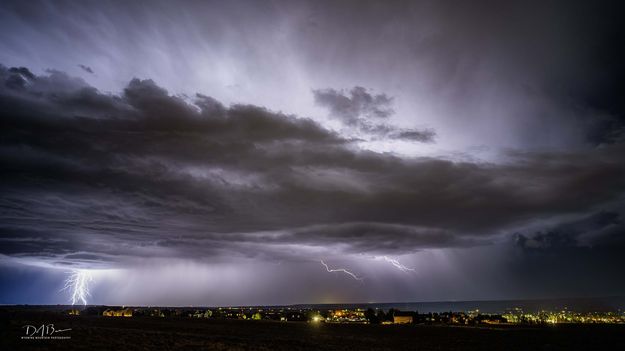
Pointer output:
x,y
97,179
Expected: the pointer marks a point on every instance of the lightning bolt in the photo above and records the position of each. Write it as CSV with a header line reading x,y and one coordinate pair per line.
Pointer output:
x,y
397,265
78,285
343,270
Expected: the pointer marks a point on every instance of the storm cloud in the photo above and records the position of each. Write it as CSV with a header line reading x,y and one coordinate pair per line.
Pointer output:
x,y
363,111
90,176
358,103
481,143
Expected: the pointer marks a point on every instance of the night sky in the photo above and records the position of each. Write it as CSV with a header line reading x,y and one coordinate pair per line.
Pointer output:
x,y
215,153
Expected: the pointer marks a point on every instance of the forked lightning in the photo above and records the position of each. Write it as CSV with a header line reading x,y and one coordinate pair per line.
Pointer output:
x,y
78,285
342,270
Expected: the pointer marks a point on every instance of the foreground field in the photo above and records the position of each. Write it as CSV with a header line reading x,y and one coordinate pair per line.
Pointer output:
x,y
107,333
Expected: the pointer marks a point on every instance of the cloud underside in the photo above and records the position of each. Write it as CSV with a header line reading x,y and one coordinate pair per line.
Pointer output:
x,y
360,110
97,179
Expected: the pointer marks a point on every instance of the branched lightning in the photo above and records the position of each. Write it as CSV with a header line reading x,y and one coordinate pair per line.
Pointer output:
x,y
78,285
343,270
397,265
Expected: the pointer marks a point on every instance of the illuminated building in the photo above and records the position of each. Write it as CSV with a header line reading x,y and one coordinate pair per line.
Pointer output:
x,y
402,319
126,312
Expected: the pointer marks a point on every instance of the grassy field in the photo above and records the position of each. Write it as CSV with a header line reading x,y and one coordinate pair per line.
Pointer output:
x,y
145,333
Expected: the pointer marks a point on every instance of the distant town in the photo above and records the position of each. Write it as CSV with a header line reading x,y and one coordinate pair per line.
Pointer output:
x,y
514,316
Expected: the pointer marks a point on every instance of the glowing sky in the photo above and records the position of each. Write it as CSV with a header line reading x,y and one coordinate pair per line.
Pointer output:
x,y
256,152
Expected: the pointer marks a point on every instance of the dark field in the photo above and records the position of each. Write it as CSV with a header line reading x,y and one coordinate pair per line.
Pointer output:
x,y
146,333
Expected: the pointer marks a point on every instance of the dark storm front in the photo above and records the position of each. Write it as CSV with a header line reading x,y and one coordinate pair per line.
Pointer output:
x,y
278,152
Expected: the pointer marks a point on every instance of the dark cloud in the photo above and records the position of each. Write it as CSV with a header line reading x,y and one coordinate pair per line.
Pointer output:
x,y
386,131
580,255
381,238
360,109
523,99
601,229
358,103
86,68
91,177
17,77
